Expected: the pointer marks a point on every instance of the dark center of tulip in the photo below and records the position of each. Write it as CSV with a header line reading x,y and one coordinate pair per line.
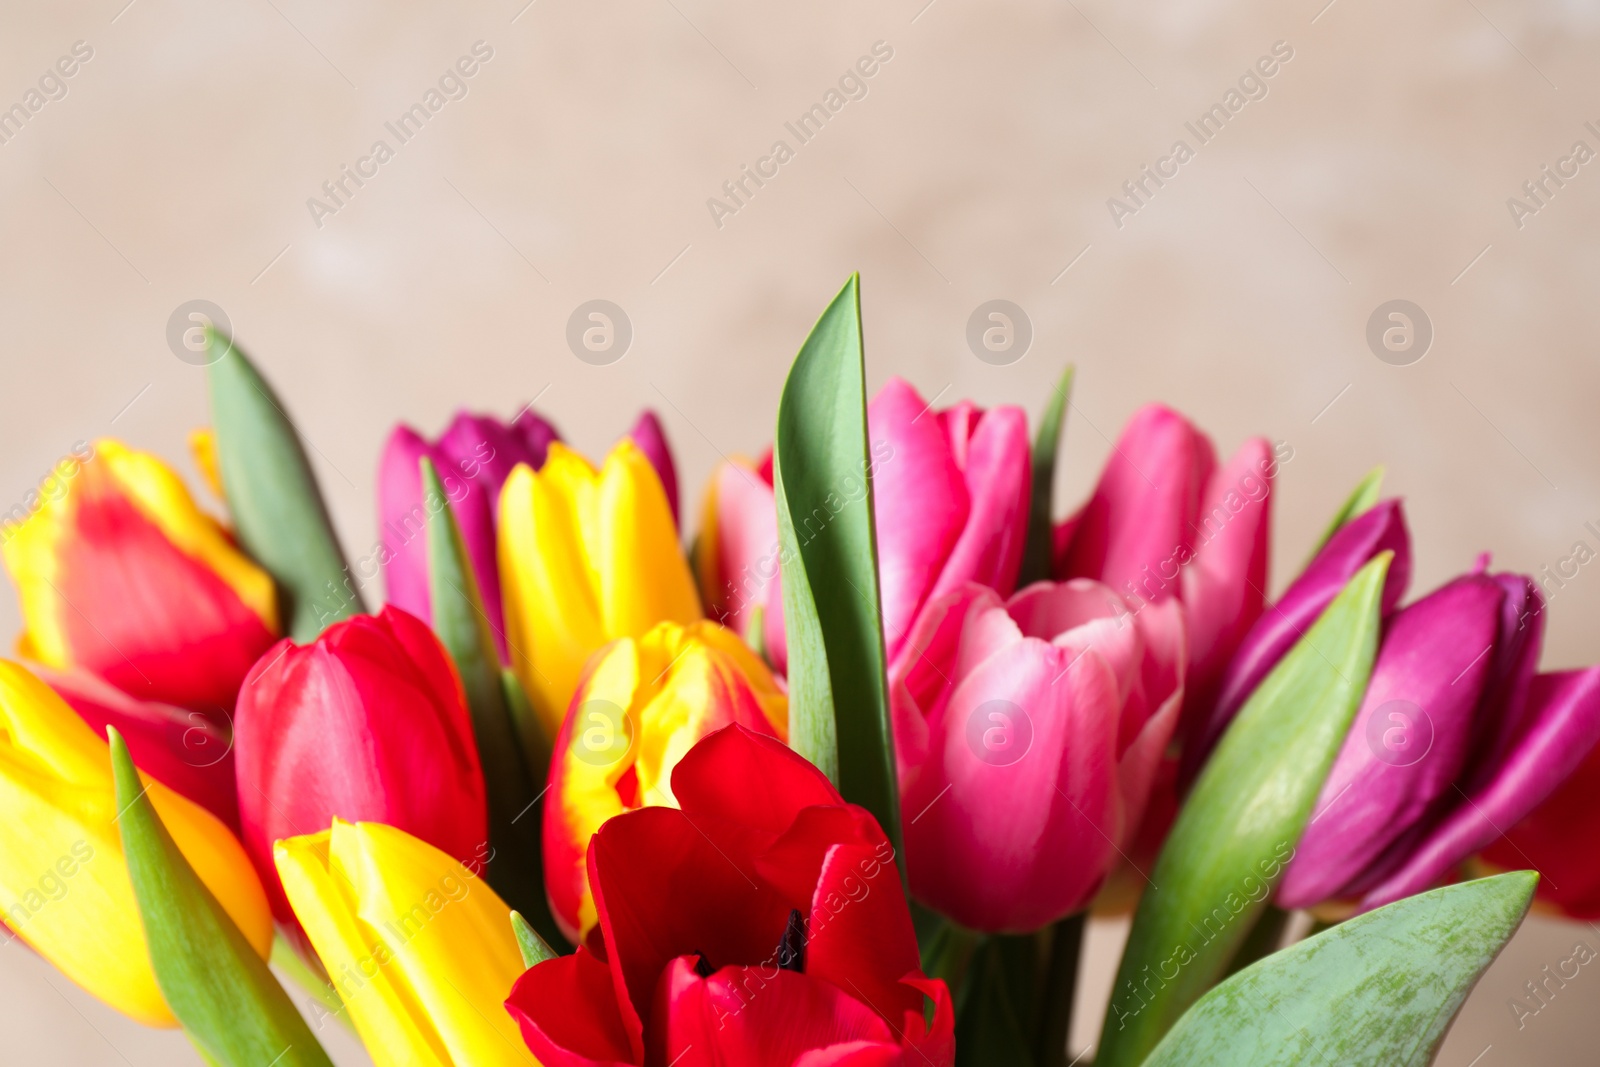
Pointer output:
x,y
792,946
702,966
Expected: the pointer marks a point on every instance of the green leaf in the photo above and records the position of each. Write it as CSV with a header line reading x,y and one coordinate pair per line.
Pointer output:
x,y
1036,554
278,512
994,1026
535,749
832,611
1237,830
533,947
1378,990
516,866
220,990
1360,500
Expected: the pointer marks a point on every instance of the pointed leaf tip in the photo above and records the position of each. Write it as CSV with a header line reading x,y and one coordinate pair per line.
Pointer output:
x,y
534,948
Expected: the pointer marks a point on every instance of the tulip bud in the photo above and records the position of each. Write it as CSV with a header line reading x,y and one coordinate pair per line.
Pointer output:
x,y
123,576
473,457
366,723
1029,733
419,947
586,557
643,703
64,885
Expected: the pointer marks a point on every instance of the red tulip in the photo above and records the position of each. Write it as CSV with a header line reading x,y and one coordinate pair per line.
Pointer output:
x,y
366,724
761,923
1029,734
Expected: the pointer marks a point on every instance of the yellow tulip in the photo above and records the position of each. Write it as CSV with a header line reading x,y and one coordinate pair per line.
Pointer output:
x,y
643,705
586,557
64,885
420,949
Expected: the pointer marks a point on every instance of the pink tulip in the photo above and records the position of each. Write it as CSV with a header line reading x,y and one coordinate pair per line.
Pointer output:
x,y
951,491
1165,523
1029,733
736,555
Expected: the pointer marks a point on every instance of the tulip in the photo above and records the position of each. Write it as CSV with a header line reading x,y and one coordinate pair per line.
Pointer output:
x,y
586,557
643,704
473,457
950,498
64,885
762,922
366,723
1455,738
419,948
1381,528
121,575
1166,523
1544,840
190,752
736,554
1029,733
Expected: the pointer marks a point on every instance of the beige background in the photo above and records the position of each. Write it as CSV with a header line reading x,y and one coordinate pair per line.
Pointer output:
x,y
978,166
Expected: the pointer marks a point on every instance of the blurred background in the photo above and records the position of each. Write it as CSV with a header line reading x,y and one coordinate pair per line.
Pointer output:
x,y
601,151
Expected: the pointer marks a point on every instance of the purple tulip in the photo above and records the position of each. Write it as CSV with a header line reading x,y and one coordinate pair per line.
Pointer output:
x,y
1379,529
474,456
1456,739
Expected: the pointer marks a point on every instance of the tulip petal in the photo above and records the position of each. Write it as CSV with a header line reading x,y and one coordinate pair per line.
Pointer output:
x,y
645,931
920,502
1224,588
738,549
1563,726
1382,528
991,816
1142,515
753,1016
996,465
652,441
568,1013
1435,657
734,770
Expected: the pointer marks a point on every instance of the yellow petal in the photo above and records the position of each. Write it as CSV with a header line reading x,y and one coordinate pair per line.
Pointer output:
x,y
420,948
64,884
203,446
586,557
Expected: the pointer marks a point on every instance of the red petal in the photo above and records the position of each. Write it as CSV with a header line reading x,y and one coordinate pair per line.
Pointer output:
x,y
664,890
745,790
859,934
568,1013
761,1017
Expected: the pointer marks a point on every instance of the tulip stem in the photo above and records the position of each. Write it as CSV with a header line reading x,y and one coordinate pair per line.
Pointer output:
x,y
1060,988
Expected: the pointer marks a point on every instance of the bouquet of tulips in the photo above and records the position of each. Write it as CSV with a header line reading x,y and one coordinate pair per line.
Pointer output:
x,y
835,786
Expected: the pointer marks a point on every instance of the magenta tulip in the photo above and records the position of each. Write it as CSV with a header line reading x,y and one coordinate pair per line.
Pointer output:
x,y
1166,523
1029,733
473,459
1456,739
951,490
1381,528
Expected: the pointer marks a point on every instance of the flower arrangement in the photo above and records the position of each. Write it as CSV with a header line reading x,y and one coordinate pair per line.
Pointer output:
x,y
837,785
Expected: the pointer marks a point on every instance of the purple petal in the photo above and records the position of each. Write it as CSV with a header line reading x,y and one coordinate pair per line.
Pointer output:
x,y
1408,742
1562,726
652,441
1379,528
403,522
537,434
1503,712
